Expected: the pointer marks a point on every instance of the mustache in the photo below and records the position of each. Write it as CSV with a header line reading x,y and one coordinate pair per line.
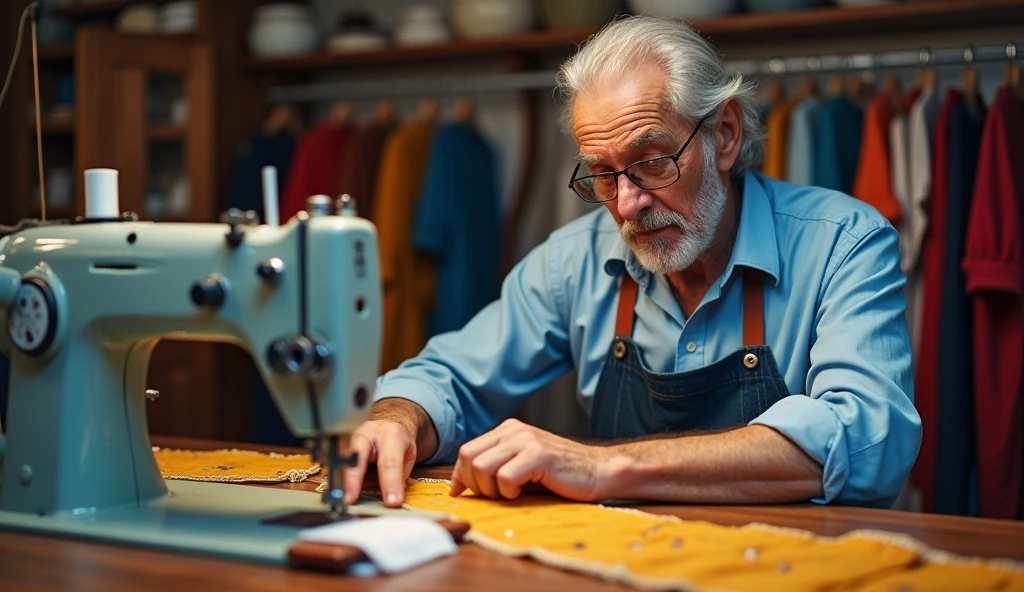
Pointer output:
x,y
648,220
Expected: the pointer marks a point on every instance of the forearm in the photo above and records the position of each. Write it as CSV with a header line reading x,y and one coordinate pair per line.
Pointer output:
x,y
413,418
754,464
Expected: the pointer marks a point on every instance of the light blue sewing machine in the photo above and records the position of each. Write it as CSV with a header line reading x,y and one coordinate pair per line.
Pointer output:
x,y
85,303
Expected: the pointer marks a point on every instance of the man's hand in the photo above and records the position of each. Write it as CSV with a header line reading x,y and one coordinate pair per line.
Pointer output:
x,y
500,462
398,435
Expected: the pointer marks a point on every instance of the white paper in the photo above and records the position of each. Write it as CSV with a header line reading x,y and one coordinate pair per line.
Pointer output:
x,y
393,543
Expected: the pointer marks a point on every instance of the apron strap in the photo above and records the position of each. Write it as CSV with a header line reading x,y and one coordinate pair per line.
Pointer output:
x,y
753,306
627,302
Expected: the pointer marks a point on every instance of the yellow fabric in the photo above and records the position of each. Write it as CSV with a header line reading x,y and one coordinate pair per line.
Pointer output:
x,y
662,552
402,167
234,466
777,124
948,577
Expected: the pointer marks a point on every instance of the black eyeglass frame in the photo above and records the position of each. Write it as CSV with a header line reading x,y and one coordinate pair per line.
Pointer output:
x,y
615,174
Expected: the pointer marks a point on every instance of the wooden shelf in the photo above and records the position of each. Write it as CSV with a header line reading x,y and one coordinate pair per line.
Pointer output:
x,y
167,132
544,40
57,52
97,7
820,23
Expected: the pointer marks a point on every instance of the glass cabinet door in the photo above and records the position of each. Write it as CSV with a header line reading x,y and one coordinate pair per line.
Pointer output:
x,y
152,103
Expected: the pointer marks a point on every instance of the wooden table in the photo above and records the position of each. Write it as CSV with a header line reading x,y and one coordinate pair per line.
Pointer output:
x,y
41,563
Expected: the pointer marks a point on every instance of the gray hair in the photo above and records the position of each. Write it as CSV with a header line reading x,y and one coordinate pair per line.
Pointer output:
x,y
696,80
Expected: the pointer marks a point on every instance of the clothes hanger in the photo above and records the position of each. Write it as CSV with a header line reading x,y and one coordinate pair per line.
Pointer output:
x,y
464,110
428,111
385,113
970,84
809,83
283,116
1011,73
341,113
925,79
835,85
893,88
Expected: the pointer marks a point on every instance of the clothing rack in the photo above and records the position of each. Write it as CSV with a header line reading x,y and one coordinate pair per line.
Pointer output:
x,y
543,80
924,57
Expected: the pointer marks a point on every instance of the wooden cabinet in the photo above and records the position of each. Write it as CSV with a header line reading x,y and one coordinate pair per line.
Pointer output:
x,y
145,108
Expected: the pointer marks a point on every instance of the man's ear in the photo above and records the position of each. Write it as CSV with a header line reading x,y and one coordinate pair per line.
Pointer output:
x,y
729,134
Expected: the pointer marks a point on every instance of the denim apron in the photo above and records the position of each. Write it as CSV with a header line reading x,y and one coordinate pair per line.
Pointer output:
x,y
631,401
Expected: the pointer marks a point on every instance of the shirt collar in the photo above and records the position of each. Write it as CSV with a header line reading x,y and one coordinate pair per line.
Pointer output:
x,y
755,245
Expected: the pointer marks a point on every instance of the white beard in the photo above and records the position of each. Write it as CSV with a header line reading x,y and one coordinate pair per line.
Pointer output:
x,y
667,255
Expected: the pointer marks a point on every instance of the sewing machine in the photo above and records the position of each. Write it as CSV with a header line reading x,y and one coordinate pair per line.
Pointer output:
x,y
86,302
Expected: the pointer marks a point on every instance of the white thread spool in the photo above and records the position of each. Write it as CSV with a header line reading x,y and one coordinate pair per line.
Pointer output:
x,y
101,197
270,196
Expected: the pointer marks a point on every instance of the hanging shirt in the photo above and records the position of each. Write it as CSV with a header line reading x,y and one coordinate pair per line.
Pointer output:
x,y
359,166
245,190
994,265
800,149
932,252
457,223
873,182
407,285
955,445
834,319
922,117
315,167
837,142
777,125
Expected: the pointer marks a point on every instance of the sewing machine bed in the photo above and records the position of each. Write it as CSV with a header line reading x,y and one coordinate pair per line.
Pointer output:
x,y
217,519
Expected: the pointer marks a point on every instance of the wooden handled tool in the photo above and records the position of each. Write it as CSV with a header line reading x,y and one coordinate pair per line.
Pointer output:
x,y
338,558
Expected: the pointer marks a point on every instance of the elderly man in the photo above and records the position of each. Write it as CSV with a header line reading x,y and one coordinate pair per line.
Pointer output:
x,y
737,339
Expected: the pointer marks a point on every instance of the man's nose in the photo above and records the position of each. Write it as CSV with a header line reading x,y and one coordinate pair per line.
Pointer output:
x,y
631,198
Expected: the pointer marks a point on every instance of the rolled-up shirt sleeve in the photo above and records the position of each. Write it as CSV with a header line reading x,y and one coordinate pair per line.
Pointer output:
x,y
858,418
470,380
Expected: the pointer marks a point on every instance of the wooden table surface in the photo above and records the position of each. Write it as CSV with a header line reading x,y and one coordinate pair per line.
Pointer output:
x,y
41,563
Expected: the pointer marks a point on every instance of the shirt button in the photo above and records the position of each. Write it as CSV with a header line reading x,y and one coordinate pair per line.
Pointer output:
x,y
691,347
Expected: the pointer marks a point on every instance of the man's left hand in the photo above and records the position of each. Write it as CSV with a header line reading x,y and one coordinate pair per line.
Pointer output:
x,y
500,462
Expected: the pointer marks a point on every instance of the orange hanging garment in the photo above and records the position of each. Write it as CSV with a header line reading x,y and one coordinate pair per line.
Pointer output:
x,y
873,183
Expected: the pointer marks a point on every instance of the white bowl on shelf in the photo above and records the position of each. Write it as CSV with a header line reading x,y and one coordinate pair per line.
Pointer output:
x,y
280,30
421,24
478,19
684,9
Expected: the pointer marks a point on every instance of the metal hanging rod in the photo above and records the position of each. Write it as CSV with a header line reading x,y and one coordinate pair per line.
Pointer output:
x,y
824,64
504,83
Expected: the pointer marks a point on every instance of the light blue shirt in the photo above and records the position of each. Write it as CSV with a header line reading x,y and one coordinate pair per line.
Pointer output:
x,y
800,153
834,319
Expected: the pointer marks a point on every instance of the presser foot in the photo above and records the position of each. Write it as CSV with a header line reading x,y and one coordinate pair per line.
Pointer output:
x,y
329,450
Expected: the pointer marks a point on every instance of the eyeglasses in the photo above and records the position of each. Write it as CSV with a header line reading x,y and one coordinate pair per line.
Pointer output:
x,y
653,173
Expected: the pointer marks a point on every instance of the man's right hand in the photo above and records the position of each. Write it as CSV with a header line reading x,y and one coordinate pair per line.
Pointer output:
x,y
398,434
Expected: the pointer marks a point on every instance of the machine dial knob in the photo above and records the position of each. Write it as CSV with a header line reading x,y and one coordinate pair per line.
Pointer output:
x,y
208,292
32,318
271,270
305,356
